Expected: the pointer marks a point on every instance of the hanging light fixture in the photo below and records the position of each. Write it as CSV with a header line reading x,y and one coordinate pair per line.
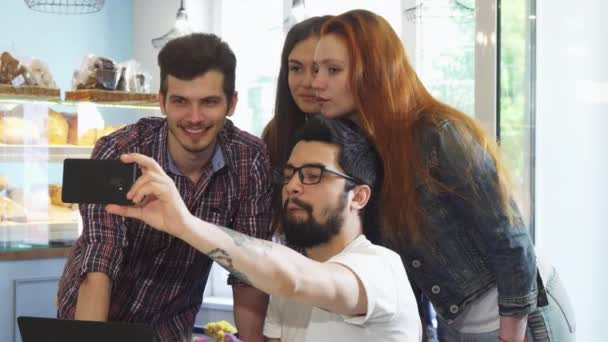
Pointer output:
x,y
180,28
65,6
298,10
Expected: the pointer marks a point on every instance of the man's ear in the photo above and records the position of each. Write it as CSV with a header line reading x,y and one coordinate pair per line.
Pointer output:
x,y
232,104
161,102
362,194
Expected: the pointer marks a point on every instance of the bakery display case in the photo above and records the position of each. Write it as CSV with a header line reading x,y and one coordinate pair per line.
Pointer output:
x,y
37,132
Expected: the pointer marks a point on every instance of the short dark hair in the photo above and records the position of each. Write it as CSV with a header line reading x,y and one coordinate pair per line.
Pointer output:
x,y
357,157
195,54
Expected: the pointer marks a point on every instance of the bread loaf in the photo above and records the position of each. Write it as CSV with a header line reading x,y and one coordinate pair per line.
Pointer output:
x,y
56,128
88,138
16,130
11,210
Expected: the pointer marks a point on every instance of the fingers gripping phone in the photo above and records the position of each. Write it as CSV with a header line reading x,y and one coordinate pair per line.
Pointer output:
x,y
97,181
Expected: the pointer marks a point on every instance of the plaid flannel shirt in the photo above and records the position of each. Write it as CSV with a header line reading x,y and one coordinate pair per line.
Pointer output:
x,y
156,278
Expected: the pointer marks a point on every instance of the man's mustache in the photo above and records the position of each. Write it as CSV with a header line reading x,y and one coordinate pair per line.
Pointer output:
x,y
299,203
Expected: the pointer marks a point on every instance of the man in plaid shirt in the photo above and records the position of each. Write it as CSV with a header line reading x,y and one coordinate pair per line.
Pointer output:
x,y
120,269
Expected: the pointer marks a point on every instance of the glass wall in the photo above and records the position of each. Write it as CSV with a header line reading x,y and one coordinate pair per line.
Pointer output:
x,y
516,98
445,49
451,43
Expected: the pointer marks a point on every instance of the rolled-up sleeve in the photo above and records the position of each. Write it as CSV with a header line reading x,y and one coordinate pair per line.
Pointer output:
x,y
469,171
254,212
103,235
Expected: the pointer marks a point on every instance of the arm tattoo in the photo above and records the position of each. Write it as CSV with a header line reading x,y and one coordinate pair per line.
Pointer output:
x,y
221,257
242,240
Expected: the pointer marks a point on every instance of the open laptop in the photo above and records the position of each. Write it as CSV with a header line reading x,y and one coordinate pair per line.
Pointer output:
x,y
36,329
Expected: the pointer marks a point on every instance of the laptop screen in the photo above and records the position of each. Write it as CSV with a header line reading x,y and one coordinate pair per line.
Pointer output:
x,y
36,329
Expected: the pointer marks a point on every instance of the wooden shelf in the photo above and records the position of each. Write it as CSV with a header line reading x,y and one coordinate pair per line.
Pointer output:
x,y
29,92
100,98
107,97
33,253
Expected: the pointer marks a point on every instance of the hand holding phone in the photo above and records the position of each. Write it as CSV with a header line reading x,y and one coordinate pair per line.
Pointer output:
x,y
158,201
97,181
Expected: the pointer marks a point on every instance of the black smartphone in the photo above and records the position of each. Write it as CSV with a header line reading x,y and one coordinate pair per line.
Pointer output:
x,y
97,181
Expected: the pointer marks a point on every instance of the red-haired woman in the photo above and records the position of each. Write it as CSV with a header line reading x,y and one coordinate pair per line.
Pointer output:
x,y
446,203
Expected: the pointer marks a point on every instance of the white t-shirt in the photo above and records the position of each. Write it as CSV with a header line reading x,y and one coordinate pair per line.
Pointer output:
x,y
481,315
392,313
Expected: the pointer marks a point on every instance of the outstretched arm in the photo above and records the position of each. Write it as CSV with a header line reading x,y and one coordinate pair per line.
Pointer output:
x,y
273,268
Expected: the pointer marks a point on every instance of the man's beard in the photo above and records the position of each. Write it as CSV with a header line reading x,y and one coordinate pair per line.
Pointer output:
x,y
310,233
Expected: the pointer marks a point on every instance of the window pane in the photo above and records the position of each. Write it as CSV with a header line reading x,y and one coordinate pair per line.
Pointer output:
x,y
516,100
254,31
445,50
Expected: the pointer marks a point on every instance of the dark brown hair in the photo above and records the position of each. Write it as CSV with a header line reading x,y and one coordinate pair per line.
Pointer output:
x,y
288,117
193,55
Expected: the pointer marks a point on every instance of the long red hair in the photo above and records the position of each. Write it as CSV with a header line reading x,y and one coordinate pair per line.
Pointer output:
x,y
391,103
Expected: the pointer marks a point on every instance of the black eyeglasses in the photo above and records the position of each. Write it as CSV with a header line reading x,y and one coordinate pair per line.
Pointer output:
x,y
310,174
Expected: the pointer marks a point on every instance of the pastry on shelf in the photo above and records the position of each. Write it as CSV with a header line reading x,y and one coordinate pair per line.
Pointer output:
x,y
13,72
55,197
61,214
16,130
3,183
72,121
96,73
10,210
88,138
41,74
35,197
108,129
56,128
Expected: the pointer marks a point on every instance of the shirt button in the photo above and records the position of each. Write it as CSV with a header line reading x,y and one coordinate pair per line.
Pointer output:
x,y
454,309
416,263
435,289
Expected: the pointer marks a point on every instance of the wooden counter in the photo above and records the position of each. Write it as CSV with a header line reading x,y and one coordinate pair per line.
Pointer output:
x,y
35,253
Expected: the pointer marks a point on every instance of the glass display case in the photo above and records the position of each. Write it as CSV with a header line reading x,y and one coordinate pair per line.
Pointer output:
x,y
36,135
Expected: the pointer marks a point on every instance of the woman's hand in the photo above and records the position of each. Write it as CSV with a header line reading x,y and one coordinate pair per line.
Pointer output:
x,y
157,201
513,329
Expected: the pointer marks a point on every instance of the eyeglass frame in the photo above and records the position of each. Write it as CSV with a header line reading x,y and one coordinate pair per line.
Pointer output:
x,y
323,168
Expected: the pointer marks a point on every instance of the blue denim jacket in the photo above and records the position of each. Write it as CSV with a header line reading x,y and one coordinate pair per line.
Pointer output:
x,y
469,247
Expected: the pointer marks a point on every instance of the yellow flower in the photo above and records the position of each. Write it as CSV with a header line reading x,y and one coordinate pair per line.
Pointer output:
x,y
217,330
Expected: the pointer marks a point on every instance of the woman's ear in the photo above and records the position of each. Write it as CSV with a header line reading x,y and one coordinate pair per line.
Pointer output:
x,y
361,195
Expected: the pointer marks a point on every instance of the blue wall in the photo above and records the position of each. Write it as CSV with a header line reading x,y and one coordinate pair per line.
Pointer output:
x,y
63,40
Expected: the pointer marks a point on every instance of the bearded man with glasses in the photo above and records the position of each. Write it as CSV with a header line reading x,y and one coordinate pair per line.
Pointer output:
x,y
345,288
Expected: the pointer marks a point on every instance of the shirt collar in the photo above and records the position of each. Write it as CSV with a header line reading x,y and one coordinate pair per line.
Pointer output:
x,y
217,160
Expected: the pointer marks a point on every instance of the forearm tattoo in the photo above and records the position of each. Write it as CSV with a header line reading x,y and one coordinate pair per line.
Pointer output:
x,y
240,240
221,257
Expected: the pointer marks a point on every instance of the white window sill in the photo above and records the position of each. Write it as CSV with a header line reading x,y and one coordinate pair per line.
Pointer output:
x,y
217,303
